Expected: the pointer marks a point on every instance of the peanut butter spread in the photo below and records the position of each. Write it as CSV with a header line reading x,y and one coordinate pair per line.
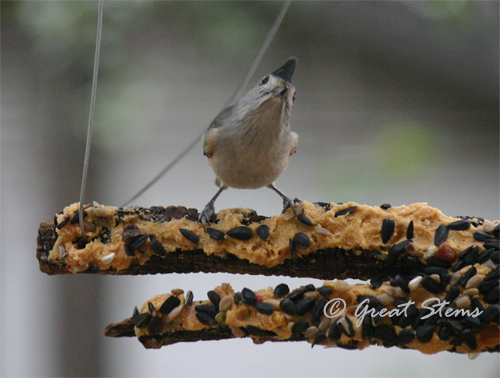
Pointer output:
x,y
348,226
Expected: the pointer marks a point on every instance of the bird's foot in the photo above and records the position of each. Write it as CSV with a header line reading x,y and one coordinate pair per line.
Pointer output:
x,y
206,214
288,202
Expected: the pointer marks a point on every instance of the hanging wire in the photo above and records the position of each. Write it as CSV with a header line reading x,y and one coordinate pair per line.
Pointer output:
x,y
236,94
91,116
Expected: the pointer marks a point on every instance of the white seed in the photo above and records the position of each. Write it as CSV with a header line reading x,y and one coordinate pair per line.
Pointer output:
x,y
102,212
274,302
226,303
436,277
473,355
311,332
79,268
385,299
290,326
455,277
176,311
311,294
324,324
490,264
488,226
62,252
390,290
289,214
108,258
431,251
321,230
414,283
177,292
475,281
289,317
426,222
471,292
400,293
237,332
341,286
299,209
463,302
412,250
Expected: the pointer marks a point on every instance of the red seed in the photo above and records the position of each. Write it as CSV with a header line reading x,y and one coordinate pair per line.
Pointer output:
x,y
259,298
446,253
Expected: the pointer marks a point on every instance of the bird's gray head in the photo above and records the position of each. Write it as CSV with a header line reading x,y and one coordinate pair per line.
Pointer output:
x,y
274,90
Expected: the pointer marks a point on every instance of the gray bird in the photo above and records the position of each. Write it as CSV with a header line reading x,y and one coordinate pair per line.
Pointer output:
x,y
249,144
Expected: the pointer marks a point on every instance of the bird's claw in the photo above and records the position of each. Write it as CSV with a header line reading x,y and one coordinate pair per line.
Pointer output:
x,y
288,202
206,214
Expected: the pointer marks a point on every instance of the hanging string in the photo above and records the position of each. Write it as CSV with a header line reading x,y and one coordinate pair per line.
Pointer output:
x,y
91,116
236,94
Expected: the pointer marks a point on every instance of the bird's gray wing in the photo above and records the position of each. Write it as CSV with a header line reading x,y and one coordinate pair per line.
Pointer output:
x,y
212,134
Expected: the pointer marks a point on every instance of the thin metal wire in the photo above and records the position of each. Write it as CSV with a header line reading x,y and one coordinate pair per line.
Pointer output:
x,y
91,115
236,94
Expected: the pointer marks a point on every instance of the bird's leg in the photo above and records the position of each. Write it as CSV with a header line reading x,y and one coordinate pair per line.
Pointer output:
x,y
209,209
287,201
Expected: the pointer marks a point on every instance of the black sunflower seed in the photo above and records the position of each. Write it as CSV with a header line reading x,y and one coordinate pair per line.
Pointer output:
x,y
157,247
424,333
317,310
63,223
214,298
375,283
490,314
385,206
496,231
335,332
128,252
169,304
345,211
216,234
209,310
366,328
459,265
296,295
452,294
467,276
151,307
138,243
444,332
396,251
495,256
487,286
440,235
130,233
459,225
405,336
240,233
155,326
485,256
248,296
204,318
492,244
310,287
281,290
408,317
300,327
304,306
190,235
462,255
326,205
300,240
76,217
434,261
493,296
302,218
388,225
320,337
409,231
263,232
143,320
476,304
473,321
189,298
325,291
345,325
493,275
264,308
482,236
469,339
371,301
429,284
237,297
386,334
288,307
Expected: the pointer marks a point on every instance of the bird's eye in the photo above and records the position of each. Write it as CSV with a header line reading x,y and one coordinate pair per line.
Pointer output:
x,y
293,97
264,80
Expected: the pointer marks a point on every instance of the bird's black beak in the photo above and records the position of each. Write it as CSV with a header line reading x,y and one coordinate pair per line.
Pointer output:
x,y
286,70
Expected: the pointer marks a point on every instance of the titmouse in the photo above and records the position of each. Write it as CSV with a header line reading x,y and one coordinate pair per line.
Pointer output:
x,y
249,144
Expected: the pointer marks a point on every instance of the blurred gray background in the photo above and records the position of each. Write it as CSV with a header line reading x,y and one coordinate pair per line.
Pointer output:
x,y
397,102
